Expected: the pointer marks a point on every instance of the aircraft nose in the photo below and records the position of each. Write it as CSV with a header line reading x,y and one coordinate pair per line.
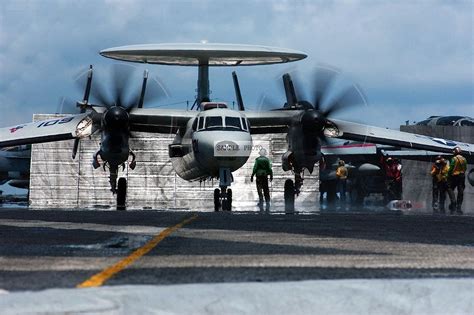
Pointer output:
x,y
223,151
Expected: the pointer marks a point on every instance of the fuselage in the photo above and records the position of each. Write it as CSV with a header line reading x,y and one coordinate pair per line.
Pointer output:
x,y
217,138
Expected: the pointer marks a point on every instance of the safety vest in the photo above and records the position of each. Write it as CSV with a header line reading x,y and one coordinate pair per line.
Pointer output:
x,y
458,165
341,172
440,174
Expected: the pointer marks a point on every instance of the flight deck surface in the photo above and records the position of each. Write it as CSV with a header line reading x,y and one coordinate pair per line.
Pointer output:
x,y
172,251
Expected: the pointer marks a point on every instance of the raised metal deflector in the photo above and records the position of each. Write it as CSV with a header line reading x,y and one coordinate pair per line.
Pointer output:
x,y
203,55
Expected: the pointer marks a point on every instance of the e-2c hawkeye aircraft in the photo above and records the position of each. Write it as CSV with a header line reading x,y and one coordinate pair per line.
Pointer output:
x,y
213,141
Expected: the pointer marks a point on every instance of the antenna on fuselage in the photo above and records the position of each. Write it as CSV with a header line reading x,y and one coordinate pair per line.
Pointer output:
x,y
203,90
142,93
238,95
289,91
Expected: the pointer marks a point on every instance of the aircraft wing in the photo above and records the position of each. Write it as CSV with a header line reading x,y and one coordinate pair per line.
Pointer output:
x,y
365,133
159,120
278,121
55,129
349,149
275,121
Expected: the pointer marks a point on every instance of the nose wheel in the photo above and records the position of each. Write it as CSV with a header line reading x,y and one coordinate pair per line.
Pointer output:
x,y
223,199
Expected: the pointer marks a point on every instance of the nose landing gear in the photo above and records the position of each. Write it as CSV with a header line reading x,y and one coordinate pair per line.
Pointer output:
x,y
223,199
223,196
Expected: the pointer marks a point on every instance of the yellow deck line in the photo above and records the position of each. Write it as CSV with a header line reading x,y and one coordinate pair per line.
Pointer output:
x,y
99,278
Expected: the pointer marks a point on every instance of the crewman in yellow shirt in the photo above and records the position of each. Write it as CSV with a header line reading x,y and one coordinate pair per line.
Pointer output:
x,y
439,173
341,177
456,180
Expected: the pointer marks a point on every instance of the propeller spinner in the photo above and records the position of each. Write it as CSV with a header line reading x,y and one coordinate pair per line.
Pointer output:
x,y
316,119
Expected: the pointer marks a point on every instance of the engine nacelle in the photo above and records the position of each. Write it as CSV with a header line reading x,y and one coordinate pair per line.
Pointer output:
x,y
304,149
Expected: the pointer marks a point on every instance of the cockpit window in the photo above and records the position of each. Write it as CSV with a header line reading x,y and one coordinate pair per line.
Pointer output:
x,y
201,123
244,123
213,121
233,122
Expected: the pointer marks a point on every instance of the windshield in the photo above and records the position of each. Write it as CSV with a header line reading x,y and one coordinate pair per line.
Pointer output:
x,y
201,122
217,123
244,123
233,122
213,121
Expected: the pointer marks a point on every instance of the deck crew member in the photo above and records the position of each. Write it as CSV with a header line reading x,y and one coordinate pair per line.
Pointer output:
x,y
262,169
341,176
456,180
439,173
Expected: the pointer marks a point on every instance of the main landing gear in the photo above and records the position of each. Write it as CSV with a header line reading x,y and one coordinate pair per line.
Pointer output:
x,y
122,193
118,187
292,189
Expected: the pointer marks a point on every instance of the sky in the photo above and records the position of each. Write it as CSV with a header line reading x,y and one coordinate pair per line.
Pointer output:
x,y
413,59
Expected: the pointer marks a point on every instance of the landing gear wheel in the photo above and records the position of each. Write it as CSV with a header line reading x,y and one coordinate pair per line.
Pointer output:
x,y
225,205
121,193
217,202
229,199
289,196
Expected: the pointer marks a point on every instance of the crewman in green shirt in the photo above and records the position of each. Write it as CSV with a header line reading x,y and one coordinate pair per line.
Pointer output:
x,y
262,169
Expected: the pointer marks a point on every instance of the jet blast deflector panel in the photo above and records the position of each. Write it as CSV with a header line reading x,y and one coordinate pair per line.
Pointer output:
x,y
57,181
